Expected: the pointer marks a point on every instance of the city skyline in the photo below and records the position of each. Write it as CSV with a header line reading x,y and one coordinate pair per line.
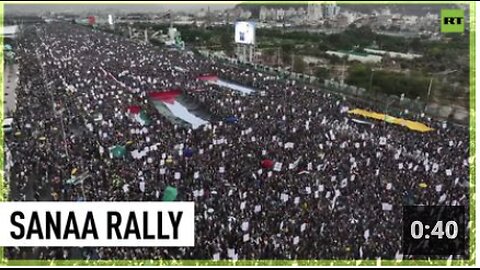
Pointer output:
x,y
146,7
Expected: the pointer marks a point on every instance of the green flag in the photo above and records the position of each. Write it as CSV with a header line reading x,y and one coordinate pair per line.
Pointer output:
x,y
118,151
142,118
76,180
170,194
117,181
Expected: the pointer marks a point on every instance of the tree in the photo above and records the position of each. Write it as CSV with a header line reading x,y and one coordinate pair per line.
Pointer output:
x,y
299,64
322,73
226,43
287,50
268,54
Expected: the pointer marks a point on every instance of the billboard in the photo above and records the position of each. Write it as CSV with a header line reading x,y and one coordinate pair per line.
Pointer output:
x,y
245,32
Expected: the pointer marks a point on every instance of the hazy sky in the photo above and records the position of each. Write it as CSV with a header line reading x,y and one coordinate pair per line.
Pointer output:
x,y
158,6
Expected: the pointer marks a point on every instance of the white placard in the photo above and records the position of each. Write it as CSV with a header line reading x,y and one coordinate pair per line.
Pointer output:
x,y
245,226
387,207
296,240
296,200
277,167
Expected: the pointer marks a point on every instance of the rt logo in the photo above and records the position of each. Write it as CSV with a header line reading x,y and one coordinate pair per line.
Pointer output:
x,y
452,21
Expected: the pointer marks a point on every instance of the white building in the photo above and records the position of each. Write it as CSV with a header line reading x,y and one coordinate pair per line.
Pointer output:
x,y
350,17
409,56
245,14
363,58
386,12
433,17
330,10
263,16
201,14
280,14
410,20
290,12
10,31
314,11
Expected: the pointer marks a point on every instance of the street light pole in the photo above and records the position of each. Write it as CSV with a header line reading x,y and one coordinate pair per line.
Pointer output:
x,y
370,87
428,94
430,85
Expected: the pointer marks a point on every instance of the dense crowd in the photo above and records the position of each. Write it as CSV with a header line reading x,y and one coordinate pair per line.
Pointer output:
x,y
338,193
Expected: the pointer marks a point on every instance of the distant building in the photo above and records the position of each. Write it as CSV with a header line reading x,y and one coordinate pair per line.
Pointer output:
x,y
433,17
410,20
386,12
355,56
10,31
408,56
330,11
301,12
280,14
245,14
201,14
263,13
350,17
314,11
267,14
290,12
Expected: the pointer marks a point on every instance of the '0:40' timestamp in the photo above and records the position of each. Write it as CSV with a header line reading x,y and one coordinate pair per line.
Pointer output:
x,y
435,231
418,230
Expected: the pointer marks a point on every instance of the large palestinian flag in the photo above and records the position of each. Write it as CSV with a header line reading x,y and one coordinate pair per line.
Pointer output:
x,y
167,103
214,79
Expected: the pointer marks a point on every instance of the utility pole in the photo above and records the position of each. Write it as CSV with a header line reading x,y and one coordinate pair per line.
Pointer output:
x,y
370,87
208,16
431,83
429,88
293,61
342,78
278,56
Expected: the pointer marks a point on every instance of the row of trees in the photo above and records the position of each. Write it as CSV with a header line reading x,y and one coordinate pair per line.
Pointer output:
x,y
413,85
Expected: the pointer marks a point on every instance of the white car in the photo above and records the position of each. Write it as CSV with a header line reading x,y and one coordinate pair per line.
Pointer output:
x,y
8,124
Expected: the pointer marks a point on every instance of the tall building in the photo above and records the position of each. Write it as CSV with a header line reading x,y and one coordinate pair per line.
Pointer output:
x,y
290,12
330,10
263,13
314,11
280,14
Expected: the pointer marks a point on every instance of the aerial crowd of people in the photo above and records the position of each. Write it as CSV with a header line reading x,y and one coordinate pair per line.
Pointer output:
x,y
282,173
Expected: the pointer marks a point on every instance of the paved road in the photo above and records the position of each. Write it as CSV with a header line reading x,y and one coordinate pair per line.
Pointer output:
x,y
10,83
